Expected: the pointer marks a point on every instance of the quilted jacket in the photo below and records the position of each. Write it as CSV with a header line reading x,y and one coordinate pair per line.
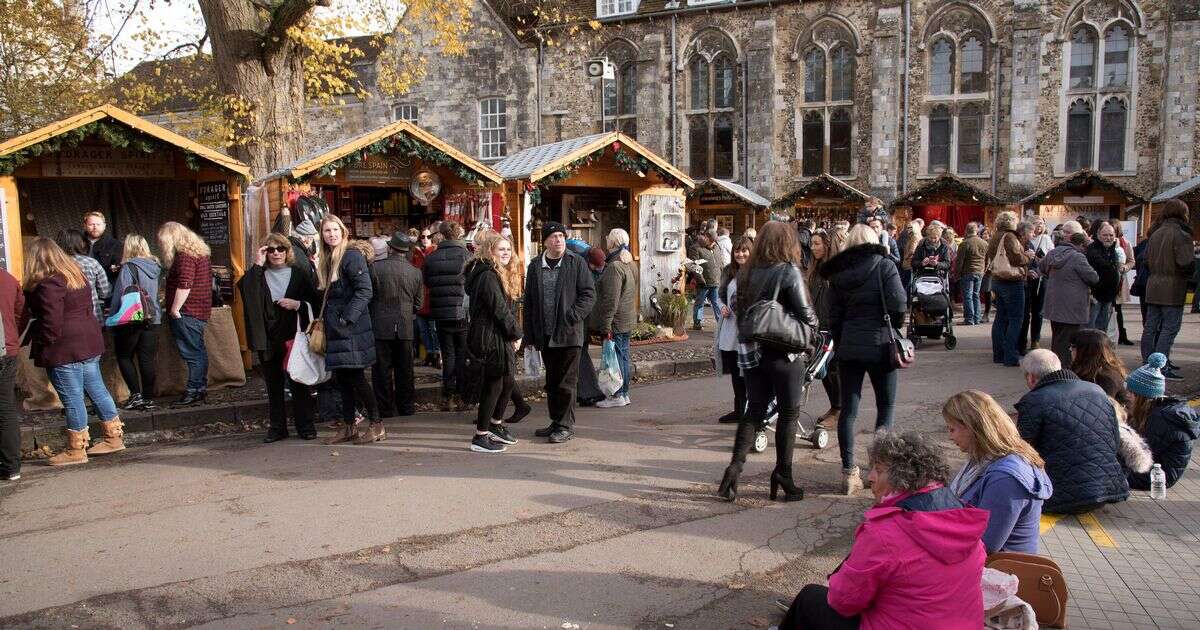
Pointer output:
x,y
349,335
1170,431
1073,426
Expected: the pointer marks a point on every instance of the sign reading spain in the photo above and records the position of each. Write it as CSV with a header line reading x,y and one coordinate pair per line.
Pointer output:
x,y
106,162
380,168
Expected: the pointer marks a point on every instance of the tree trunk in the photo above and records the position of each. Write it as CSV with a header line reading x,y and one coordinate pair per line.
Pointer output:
x,y
260,72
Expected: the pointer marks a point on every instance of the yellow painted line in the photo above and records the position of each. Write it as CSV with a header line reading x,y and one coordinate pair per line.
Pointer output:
x,y
1048,522
1096,531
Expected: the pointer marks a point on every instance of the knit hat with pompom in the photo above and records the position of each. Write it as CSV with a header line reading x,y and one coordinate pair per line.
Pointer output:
x,y
1147,381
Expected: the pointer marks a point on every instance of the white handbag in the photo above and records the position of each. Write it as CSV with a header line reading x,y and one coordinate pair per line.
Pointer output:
x,y
303,365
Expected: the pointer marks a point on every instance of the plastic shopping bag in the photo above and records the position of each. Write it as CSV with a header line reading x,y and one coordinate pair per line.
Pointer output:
x,y
609,375
303,365
533,363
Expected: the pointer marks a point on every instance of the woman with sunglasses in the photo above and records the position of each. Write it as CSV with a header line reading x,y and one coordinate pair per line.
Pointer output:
x,y
274,291
426,328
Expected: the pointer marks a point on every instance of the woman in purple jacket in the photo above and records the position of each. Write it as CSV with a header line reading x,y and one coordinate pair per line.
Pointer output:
x,y
1003,474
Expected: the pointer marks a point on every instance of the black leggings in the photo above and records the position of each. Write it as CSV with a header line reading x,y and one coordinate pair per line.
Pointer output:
x,y
833,386
729,365
494,393
140,340
775,377
356,390
811,611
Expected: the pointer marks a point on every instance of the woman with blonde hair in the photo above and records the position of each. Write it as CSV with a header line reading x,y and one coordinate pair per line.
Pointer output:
x,y
1008,285
344,281
1003,473
493,284
66,341
189,303
139,268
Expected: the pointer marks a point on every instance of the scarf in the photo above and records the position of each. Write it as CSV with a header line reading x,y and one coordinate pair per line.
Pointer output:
x,y
968,474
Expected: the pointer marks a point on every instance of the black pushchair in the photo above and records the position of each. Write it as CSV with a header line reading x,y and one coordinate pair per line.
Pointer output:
x,y
818,436
931,309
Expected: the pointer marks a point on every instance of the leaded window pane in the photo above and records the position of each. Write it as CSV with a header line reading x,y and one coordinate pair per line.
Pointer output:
x,y
1116,57
842,78
1079,136
814,76
813,139
723,148
971,75
628,90
1112,136
939,140
1083,58
723,82
970,135
941,71
839,142
699,83
698,146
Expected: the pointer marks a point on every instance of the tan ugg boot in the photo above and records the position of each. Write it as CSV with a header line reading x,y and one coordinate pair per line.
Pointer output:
x,y
851,481
74,453
111,442
374,433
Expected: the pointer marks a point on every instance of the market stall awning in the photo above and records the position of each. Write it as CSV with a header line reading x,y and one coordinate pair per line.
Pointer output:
x,y
401,135
823,185
1177,190
71,131
1081,182
536,163
733,188
947,184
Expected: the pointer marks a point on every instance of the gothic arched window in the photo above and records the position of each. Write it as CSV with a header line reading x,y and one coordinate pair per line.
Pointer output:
x,y
1083,58
1116,57
712,135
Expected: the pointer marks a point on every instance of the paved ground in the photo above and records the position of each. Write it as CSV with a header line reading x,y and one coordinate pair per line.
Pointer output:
x,y
616,529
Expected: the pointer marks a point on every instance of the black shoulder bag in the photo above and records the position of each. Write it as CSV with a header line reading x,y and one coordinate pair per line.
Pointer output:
x,y
768,323
902,353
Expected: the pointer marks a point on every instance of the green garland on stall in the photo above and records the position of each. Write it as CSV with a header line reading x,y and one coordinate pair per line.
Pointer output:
x,y
629,163
406,145
115,135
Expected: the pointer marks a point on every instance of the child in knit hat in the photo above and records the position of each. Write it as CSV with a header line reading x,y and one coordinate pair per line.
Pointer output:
x,y
1168,424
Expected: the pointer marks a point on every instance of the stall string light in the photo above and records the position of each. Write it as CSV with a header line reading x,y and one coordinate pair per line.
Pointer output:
x,y
635,164
115,135
405,145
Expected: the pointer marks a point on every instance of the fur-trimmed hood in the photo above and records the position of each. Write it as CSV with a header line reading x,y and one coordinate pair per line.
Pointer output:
x,y
851,257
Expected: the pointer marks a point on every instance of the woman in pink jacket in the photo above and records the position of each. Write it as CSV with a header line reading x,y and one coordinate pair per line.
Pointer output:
x,y
917,558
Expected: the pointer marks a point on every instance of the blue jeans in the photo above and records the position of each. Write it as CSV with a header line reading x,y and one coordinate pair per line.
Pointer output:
x,y
621,344
1100,314
970,296
427,333
71,381
1006,328
703,293
1161,325
883,381
189,338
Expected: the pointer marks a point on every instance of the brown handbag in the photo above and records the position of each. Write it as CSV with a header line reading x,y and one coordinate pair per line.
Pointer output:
x,y
316,329
1041,584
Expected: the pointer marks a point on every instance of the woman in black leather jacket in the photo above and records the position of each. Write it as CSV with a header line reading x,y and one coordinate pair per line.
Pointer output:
x,y
862,281
770,372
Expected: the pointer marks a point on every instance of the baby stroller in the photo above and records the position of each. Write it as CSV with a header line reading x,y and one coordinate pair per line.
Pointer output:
x,y
931,310
818,436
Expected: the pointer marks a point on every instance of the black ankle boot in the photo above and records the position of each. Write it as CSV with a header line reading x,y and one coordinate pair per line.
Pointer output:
x,y
781,478
728,488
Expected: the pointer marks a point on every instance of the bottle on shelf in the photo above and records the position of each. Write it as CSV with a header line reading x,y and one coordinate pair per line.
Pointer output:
x,y
1158,483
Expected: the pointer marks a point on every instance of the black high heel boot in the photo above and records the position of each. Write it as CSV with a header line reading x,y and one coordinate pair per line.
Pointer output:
x,y
741,448
728,487
785,443
790,491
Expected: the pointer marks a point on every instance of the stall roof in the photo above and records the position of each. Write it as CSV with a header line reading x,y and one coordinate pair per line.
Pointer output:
x,y
342,148
129,120
821,182
737,190
1085,178
1177,190
537,162
948,183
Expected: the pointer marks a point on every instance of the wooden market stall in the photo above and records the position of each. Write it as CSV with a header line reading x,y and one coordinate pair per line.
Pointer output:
x,y
1084,193
951,200
140,176
396,177
735,207
596,183
1188,192
823,199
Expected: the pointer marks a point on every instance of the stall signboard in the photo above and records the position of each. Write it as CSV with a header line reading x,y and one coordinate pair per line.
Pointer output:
x,y
106,162
717,197
377,168
214,212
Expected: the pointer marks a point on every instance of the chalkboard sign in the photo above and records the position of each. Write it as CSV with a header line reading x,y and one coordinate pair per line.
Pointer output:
x,y
214,212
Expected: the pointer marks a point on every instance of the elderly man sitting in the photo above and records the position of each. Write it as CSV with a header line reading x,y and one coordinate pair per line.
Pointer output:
x,y
1073,425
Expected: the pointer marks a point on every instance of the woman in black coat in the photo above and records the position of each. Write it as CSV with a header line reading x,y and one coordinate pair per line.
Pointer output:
x,y
1102,256
345,282
771,372
274,292
862,284
493,284
931,255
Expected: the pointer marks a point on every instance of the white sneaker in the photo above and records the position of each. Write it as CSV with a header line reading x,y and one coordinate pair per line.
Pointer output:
x,y
615,401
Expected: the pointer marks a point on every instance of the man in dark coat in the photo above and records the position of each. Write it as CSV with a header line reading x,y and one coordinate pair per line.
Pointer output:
x,y
398,293
1073,425
443,274
102,246
1169,261
559,294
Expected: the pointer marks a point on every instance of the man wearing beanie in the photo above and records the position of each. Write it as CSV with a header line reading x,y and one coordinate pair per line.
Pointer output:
x,y
559,294
1168,424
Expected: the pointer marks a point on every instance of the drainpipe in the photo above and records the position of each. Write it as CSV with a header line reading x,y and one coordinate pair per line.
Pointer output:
x,y
1162,112
745,122
538,89
996,121
673,117
904,103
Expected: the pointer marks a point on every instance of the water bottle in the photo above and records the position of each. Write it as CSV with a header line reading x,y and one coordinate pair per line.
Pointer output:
x,y
1158,483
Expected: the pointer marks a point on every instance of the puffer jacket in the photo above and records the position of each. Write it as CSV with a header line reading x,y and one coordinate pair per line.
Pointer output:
x,y
1170,430
443,274
1104,261
1012,491
1073,426
916,562
493,325
1068,285
349,336
616,296
856,305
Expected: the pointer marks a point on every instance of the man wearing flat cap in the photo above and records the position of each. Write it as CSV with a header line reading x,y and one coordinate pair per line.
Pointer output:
x,y
559,294
398,294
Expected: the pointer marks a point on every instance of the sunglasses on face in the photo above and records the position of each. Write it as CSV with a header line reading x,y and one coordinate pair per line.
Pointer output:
x,y
424,237
278,249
